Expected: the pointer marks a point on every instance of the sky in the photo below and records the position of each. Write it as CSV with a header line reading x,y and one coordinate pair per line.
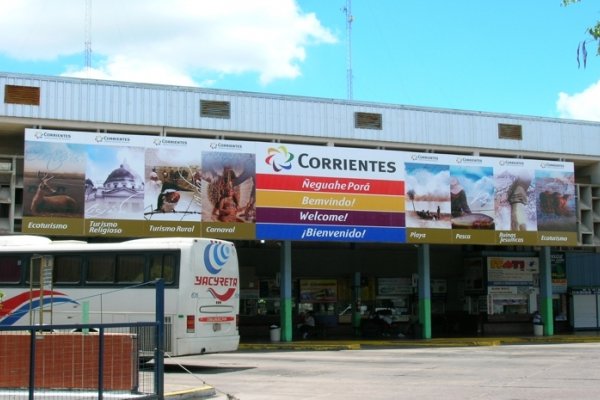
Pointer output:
x,y
501,56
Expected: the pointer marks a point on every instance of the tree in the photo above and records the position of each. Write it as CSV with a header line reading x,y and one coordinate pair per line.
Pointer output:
x,y
593,32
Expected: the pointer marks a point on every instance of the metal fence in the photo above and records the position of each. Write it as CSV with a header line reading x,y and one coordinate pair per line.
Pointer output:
x,y
83,361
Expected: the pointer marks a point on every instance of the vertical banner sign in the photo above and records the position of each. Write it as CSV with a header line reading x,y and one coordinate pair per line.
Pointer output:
x,y
116,185
558,264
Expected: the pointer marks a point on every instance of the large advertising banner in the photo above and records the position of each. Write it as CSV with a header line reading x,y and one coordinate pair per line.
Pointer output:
x,y
117,185
114,185
329,194
485,200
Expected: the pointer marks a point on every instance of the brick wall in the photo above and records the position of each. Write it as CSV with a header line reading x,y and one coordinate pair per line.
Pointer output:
x,y
68,361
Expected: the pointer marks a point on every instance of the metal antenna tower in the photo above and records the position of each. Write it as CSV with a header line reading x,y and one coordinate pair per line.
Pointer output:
x,y
349,20
88,36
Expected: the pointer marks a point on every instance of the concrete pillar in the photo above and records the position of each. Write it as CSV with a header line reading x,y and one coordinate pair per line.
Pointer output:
x,y
285,285
424,291
545,303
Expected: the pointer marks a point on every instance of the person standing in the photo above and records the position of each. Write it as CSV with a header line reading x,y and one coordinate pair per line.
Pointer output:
x,y
307,326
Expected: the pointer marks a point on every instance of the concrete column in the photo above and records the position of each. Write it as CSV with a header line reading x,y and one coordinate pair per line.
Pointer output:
x,y
285,285
424,291
545,303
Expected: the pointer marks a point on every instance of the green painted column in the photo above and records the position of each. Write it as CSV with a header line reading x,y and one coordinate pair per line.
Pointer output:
x,y
285,285
545,306
424,291
85,315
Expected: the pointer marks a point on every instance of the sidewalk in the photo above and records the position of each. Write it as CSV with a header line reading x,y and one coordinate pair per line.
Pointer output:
x,y
206,392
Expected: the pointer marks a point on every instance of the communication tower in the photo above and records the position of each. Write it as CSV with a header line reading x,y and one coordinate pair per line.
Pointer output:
x,y
349,20
88,37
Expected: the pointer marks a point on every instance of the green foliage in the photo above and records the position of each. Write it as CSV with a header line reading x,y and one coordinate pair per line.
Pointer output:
x,y
594,31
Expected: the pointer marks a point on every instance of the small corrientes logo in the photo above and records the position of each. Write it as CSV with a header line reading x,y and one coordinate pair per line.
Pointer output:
x,y
279,158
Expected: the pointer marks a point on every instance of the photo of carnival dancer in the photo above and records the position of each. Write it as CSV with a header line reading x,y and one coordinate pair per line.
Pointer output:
x,y
228,189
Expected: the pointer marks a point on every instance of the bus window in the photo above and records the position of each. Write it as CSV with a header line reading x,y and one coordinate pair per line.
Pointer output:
x,y
32,274
155,266
10,269
67,269
130,268
101,268
163,266
169,268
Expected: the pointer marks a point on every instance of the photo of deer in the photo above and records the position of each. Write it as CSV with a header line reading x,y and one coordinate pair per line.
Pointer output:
x,y
58,195
54,180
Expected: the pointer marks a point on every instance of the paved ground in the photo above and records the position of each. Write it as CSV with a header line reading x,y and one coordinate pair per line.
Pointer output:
x,y
558,367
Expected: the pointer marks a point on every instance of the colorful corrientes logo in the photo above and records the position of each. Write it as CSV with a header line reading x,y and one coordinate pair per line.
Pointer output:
x,y
279,158
216,256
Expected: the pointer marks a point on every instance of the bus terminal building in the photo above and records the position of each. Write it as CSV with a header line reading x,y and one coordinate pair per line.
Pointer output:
x,y
448,221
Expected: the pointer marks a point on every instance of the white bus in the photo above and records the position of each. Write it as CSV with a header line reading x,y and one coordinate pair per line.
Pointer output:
x,y
73,282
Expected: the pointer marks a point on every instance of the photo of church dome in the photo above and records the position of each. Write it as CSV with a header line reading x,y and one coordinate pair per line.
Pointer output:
x,y
122,182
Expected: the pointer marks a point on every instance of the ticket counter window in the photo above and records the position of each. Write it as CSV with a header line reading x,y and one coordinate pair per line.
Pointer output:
x,y
510,305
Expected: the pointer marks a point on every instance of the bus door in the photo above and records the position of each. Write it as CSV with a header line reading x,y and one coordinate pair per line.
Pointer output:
x,y
41,289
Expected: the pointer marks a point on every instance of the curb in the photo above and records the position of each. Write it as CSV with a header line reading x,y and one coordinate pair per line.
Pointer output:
x,y
418,343
197,393
342,345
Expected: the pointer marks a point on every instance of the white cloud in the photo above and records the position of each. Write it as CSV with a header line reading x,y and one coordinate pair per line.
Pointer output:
x,y
584,105
164,41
